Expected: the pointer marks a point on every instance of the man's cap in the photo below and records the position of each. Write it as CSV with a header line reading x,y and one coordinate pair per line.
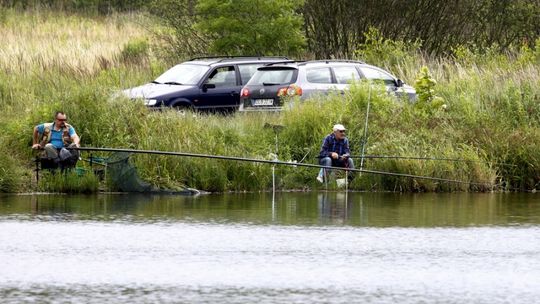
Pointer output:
x,y
339,127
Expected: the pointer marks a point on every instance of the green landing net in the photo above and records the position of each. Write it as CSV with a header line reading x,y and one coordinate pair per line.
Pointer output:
x,y
123,174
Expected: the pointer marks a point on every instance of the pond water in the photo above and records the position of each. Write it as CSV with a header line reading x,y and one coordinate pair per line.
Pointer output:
x,y
291,248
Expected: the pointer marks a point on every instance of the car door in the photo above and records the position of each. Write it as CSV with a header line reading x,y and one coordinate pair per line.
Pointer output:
x,y
220,89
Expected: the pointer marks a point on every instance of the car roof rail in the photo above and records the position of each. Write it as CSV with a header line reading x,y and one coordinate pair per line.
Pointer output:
x,y
334,60
226,58
282,62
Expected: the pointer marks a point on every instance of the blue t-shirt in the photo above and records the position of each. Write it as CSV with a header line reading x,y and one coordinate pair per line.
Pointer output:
x,y
56,136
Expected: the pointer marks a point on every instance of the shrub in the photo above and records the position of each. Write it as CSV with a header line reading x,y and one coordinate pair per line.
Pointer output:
x,y
425,88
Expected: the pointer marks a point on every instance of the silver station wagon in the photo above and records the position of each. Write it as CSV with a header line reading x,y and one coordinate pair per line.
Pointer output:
x,y
266,89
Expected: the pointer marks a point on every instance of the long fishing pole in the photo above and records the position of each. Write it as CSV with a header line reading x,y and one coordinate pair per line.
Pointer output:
x,y
427,158
276,162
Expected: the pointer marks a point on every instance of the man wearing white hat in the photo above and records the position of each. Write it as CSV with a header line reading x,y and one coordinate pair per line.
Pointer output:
x,y
335,152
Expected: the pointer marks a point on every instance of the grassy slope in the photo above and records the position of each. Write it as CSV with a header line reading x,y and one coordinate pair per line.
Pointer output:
x,y
72,63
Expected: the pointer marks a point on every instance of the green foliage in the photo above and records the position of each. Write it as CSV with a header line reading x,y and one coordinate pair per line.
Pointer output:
x,y
378,50
537,50
135,52
3,16
68,182
239,27
335,28
177,36
331,28
10,170
527,55
242,27
425,89
472,54
490,122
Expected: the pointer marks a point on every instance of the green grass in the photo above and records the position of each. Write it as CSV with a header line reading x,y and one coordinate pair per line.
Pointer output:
x,y
68,182
489,115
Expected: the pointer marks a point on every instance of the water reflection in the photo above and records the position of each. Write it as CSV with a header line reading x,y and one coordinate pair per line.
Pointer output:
x,y
325,208
333,208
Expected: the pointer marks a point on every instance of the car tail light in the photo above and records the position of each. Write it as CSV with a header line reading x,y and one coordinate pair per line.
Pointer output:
x,y
244,93
292,90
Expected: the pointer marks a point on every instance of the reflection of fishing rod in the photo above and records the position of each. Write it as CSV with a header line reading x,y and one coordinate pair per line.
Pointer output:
x,y
427,158
276,162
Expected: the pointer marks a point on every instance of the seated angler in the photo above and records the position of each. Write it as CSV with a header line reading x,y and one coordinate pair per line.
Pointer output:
x,y
335,152
54,138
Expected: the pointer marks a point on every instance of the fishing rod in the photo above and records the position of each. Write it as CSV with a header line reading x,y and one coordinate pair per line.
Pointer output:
x,y
364,140
277,162
426,158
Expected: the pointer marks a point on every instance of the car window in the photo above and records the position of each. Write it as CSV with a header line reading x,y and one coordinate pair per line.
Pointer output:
x,y
223,77
189,74
273,76
319,75
371,73
346,74
247,71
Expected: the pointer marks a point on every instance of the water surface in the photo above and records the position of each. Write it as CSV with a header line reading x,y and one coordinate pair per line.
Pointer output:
x,y
293,248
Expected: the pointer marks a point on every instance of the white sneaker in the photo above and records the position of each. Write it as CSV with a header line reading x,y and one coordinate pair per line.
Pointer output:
x,y
320,179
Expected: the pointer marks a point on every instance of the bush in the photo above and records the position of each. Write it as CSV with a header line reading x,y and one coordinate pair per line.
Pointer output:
x,y
428,101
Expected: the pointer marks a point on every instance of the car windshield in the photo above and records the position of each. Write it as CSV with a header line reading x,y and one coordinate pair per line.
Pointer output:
x,y
189,74
273,76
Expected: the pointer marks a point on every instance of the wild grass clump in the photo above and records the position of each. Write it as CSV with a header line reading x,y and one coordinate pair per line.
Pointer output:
x,y
135,52
11,174
241,136
68,182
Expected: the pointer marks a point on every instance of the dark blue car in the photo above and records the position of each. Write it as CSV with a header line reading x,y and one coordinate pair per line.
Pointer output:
x,y
201,83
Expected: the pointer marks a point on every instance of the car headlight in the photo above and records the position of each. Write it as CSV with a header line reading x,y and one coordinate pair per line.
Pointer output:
x,y
150,102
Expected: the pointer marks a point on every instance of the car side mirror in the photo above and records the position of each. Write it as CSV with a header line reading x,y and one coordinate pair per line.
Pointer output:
x,y
207,86
399,83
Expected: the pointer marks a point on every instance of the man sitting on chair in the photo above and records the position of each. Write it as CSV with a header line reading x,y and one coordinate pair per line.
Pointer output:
x,y
54,138
335,152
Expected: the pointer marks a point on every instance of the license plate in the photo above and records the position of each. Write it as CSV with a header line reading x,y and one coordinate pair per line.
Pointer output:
x,y
263,102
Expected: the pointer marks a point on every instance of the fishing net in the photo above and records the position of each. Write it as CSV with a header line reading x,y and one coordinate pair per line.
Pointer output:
x,y
123,174
124,177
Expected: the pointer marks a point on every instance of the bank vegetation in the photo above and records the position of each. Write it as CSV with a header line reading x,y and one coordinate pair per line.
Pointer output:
x,y
479,105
